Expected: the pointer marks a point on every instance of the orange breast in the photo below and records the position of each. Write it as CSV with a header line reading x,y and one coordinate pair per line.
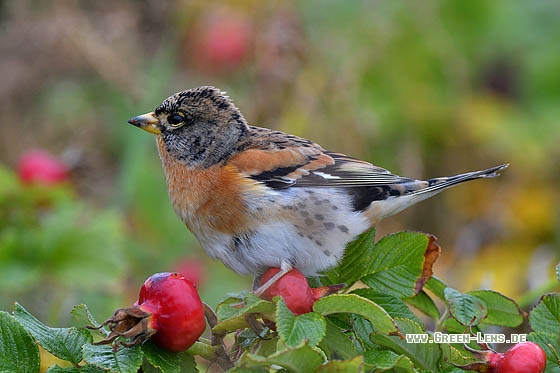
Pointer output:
x,y
209,198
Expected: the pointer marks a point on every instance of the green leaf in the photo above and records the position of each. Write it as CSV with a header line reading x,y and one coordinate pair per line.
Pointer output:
x,y
456,356
501,309
397,263
393,305
336,344
424,355
299,359
356,261
64,343
451,325
266,346
167,361
545,316
91,369
362,329
119,360
385,360
58,369
310,327
341,366
352,303
466,309
424,303
18,352
436,286
83,317
232,311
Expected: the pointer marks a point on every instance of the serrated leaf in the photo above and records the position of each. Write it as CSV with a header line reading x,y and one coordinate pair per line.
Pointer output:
x,y
362,329
431,254
356,261
119,360
64,343
83,317
58,369
545,316
293,330
167,361
456,356
352,303
300,359
385,360
18,351
398,264
336,344
343,366
550,343
232,311
424,355
91,369
501,310
148,368
424,303
393,305
466,309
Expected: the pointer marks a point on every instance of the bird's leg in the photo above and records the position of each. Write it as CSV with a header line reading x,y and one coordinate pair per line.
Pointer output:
x,y
258,291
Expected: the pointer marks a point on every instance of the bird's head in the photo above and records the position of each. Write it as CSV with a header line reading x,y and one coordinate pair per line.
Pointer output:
x,y
200,127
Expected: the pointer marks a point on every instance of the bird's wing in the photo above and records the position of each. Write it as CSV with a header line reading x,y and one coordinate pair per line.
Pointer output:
x,y
281,161
349,172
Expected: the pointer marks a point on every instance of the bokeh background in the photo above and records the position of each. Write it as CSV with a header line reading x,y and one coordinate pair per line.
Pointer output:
x,y
424,89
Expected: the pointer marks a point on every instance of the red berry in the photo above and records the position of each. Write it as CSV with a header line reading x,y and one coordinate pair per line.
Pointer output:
x,y
527,357
293,287
177,313
38,166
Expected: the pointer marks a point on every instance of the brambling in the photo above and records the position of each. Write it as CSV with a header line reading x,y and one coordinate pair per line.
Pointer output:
x,y
257,198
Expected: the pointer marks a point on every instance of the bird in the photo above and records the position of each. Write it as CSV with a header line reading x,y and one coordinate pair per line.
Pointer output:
x,y
257,198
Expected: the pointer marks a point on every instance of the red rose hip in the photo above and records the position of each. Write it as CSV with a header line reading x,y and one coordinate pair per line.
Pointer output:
x,y
293,287
176,308
526,357
168,311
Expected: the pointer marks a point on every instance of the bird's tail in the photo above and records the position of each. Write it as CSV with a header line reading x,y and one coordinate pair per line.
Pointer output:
x,y
419,190
439,183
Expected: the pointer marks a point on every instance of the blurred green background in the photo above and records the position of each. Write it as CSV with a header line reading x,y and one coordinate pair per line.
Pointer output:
x,y
424,89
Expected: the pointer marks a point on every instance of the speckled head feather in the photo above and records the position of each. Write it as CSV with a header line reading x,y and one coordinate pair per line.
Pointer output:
x,y
201,126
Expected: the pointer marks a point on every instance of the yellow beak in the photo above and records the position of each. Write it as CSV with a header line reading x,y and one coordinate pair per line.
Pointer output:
x,y
148,122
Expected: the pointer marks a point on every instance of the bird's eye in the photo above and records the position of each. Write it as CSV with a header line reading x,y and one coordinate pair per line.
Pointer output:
x,y
175,120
